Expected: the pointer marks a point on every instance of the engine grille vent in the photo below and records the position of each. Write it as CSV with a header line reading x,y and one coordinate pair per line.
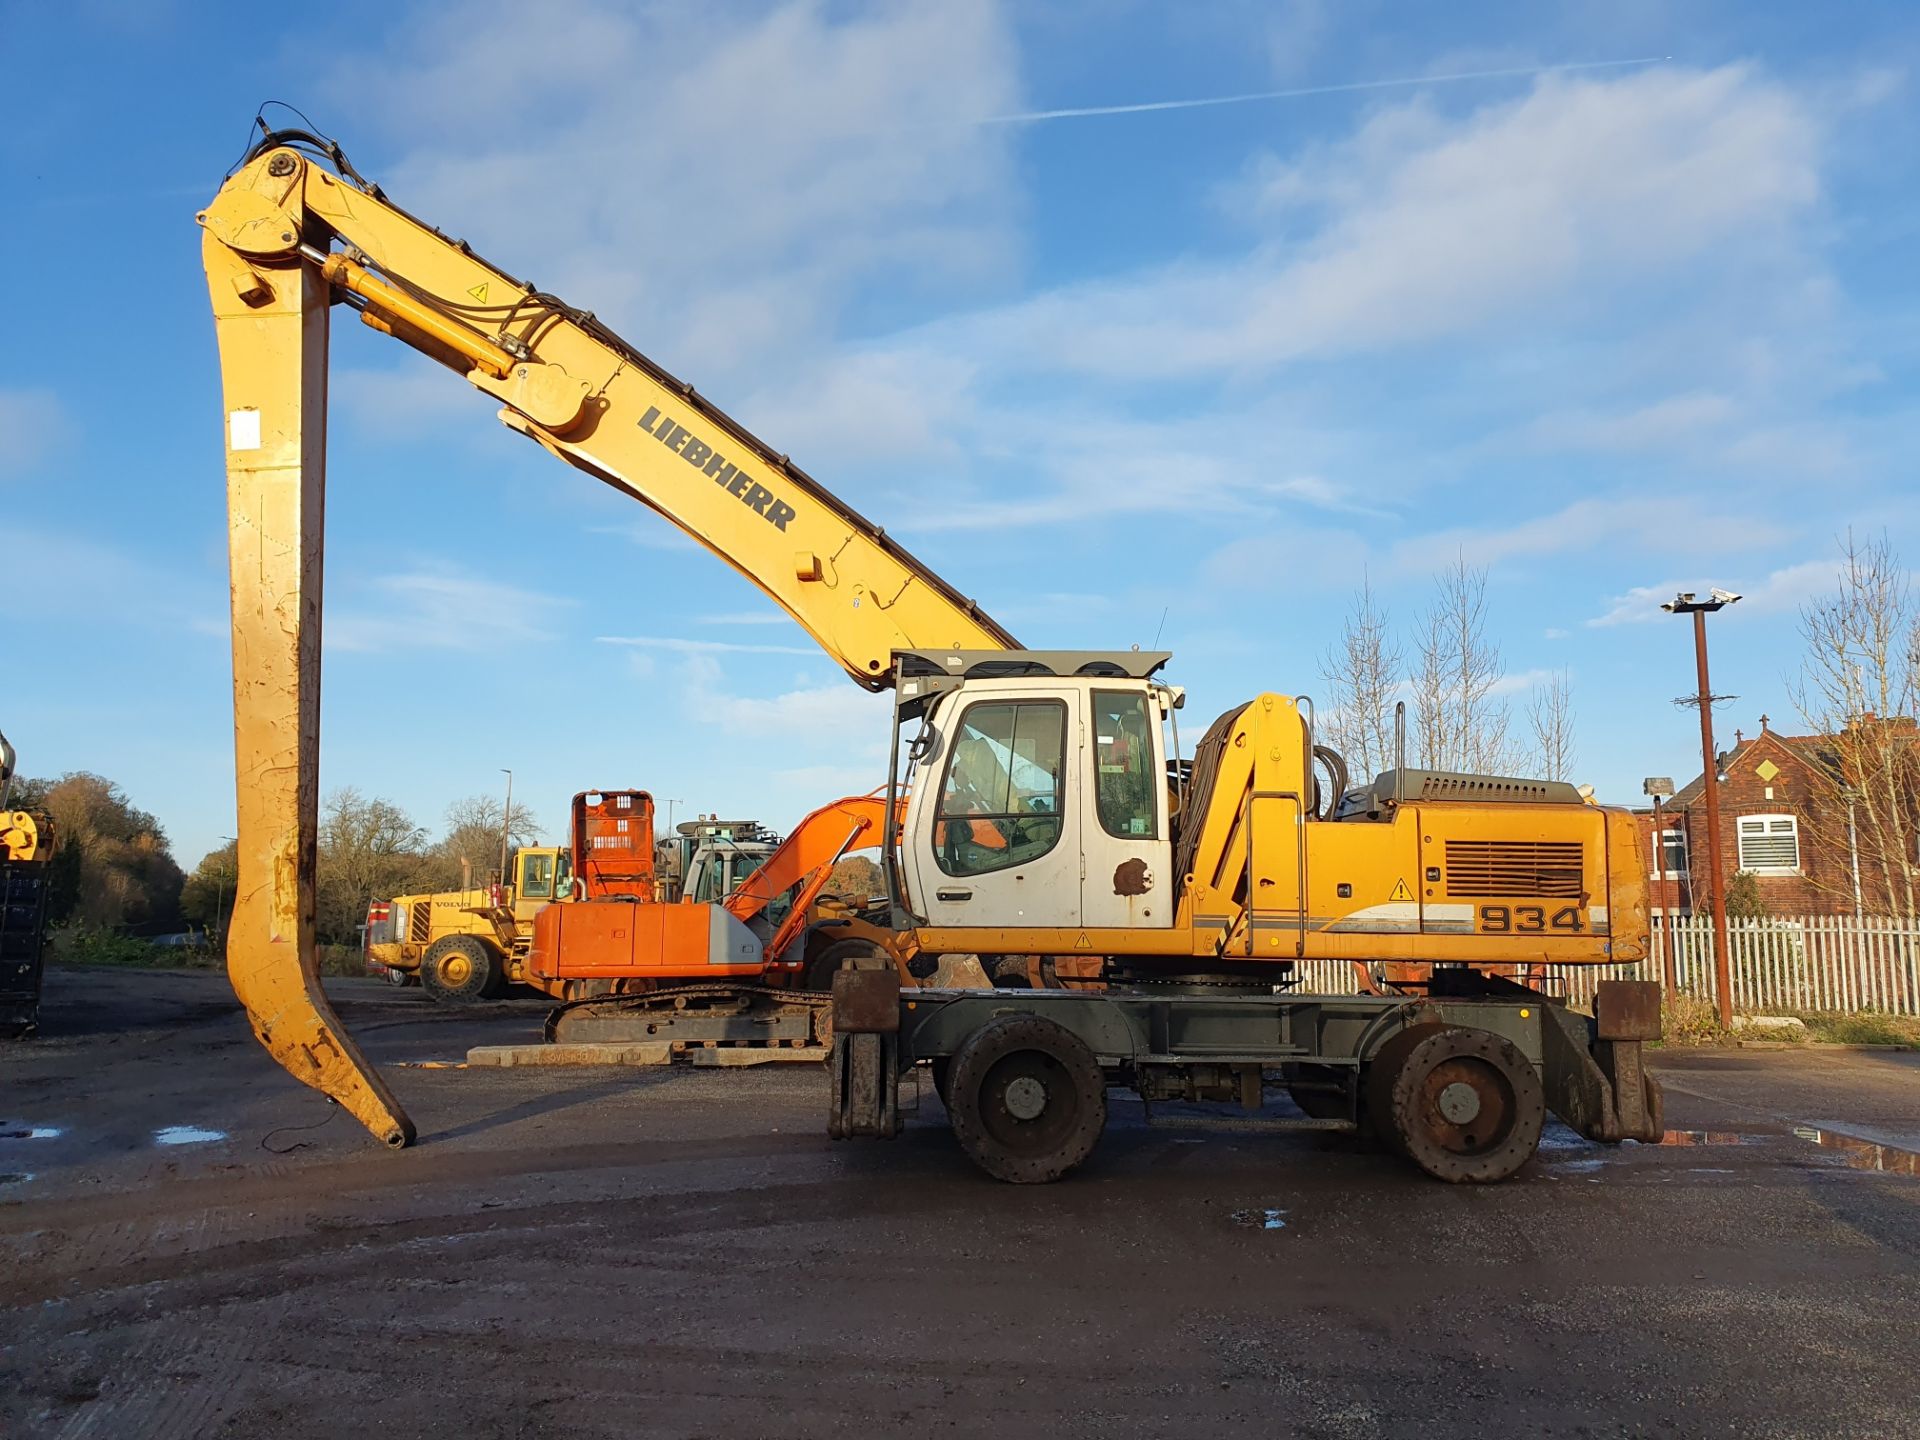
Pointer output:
x,y
1549,869
420,923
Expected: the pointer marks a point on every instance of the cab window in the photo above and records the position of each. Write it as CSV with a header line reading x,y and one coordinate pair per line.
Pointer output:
x,y
1126,793
710,888
536,877
563,875
1000,800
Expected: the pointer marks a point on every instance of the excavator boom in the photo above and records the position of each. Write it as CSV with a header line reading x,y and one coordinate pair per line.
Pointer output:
x,y
296,231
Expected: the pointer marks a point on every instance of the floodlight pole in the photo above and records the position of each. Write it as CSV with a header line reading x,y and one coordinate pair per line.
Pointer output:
x,y
1685,604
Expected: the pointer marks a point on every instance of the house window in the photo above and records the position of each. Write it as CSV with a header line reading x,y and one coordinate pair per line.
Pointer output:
x,y
1770,844
1673,855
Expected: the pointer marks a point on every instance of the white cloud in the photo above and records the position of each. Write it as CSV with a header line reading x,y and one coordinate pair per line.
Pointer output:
x,y
653,533
1656,426
746,617
399,402
1522,683
440,609
1420,227
1781,591
1643,524
31,423
816,724
700,647
728,179
103,584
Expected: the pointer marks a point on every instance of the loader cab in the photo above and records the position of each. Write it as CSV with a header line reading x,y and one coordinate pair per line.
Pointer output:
x,y
1039,794
542,875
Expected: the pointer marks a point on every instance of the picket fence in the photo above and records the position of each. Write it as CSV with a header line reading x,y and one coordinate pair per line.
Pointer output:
x,y
1810,965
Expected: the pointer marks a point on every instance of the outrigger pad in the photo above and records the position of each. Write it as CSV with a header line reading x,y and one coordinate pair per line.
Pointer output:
x,y
1599,1087
866,1002
1627,1009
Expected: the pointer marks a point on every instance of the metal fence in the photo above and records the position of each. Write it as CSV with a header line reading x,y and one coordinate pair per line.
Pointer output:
x,y
1813,964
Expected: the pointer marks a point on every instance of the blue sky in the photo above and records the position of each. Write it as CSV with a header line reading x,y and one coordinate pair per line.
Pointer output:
x,y
1608,331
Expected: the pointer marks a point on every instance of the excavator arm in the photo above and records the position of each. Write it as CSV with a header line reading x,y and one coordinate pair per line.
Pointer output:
x,y
804,861
296,231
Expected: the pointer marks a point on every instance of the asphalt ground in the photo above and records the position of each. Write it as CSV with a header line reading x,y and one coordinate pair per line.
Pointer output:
x,y
685,1253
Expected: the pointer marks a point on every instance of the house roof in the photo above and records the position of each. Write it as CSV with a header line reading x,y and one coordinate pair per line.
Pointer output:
x,y
1812,750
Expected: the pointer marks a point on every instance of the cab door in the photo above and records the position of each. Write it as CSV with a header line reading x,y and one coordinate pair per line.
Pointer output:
x,y
1126,881
994,833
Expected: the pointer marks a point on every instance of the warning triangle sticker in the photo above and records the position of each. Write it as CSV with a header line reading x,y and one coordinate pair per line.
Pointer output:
x,y
479,292
1081,943
1401,892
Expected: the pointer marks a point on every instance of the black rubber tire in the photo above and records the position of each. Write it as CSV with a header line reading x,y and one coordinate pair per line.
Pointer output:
x,y
1377,1080
1072,1096
1509,1105
943,1080
477,970
843,955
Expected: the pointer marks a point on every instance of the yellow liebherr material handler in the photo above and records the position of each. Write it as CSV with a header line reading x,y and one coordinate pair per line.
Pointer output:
x,y
1042,819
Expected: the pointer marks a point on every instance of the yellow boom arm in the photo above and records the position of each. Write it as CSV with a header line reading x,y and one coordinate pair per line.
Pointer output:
x,y
284,240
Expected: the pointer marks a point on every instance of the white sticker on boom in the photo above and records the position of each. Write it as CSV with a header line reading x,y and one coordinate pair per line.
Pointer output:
x,y
243,430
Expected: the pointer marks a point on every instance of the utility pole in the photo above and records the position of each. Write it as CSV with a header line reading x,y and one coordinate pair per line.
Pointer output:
x,y
506,824
1659,787
1685,604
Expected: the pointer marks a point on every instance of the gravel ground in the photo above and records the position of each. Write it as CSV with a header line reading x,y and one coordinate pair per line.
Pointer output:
x,y
639,1253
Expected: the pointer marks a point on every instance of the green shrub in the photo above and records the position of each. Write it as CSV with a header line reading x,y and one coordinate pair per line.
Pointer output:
x,y
103,947
339,960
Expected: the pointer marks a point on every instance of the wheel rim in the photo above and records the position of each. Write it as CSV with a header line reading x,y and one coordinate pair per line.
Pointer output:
x,y
1028,1103
455,970
1465,1106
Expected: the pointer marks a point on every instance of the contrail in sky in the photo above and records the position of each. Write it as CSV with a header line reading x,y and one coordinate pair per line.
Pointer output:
x,y
1080,112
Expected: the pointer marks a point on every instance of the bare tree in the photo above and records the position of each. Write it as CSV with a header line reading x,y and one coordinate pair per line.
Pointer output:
x,y
1550,713
473,835
113,867
1363,682
1462,721
369,849
1857,691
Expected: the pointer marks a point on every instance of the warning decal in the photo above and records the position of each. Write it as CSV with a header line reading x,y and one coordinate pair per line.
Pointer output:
x,y
1081,943
1401,892
479,292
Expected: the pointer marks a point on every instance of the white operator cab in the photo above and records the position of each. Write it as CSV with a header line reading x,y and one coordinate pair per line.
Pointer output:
x,y
1039,790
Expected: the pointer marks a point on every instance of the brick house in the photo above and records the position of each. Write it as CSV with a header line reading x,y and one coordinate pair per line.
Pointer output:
x,y
1780,818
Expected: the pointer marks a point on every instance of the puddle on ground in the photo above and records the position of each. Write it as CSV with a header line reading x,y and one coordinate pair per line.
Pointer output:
x,y
187,1135
1863,1154
1261,1219
37,1132
1705,1137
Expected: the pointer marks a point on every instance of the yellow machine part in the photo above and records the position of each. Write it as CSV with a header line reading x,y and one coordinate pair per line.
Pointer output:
x,y
19,835
271,320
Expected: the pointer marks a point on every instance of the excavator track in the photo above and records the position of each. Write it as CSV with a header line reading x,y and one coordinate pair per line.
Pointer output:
x,y
738,1016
